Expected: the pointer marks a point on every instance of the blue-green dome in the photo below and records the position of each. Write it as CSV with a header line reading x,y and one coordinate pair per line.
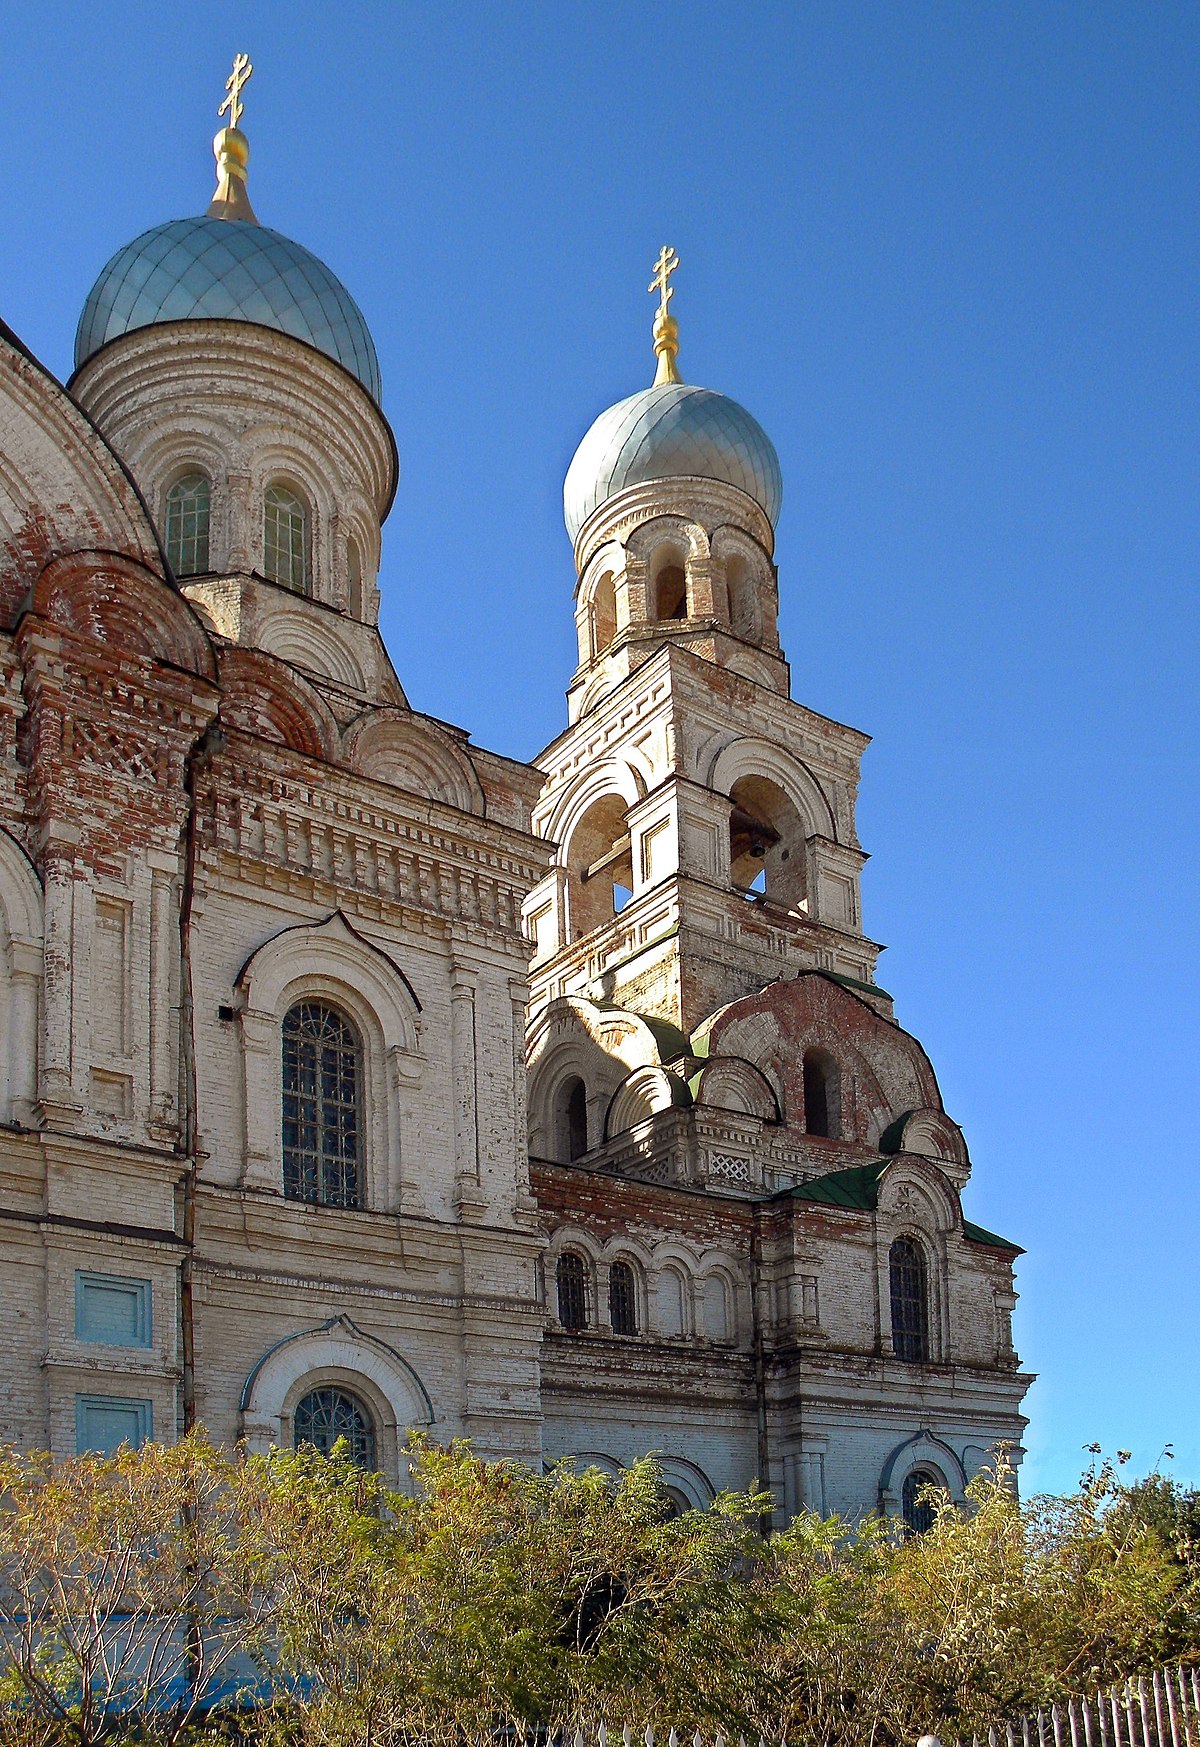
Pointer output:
x,y
674,431
218,269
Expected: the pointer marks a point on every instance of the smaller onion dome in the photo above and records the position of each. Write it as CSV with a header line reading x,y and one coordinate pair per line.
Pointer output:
x,y
671,430
225,266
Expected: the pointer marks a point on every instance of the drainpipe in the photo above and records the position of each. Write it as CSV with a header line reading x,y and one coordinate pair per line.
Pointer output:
x,y
758,1348
198,760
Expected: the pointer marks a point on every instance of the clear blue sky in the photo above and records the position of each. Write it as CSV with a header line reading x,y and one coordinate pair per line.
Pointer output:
x,y
947,254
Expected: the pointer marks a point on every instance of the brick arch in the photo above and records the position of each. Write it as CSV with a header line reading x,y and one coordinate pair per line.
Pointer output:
x,y
394,746
62,488
262,696
117,601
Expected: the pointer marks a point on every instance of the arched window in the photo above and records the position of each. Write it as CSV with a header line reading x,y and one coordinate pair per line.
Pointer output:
x,y
322,1095
571,1280
188,505
917,1509
572,1128
285,538
821,1095
910,1301
622,1299
325,1415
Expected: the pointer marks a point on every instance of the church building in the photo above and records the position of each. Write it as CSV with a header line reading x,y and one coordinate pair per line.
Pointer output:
x,y
354,1078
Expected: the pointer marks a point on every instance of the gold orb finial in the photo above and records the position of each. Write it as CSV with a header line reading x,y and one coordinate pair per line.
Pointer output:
x,y
666,328
232,151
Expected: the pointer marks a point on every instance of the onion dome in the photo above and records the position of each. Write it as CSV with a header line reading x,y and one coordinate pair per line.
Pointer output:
x,y
671,430
225,266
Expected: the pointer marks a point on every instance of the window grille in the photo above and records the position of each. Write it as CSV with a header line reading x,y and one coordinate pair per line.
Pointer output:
x,y
910,1302
572,1290
322,1159
622,1299
918,1510
325,1415
285,538
188,505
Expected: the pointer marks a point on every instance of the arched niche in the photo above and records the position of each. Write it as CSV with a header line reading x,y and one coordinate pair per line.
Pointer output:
x,y
331,962
729,1083
292,635
262,696
930,1134
643,1094
394,746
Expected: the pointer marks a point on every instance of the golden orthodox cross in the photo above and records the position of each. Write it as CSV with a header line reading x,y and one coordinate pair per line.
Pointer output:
x,y
666,264
242,70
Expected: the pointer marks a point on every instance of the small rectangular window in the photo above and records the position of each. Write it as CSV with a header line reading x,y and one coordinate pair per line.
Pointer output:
x,y
104,1422
112,1311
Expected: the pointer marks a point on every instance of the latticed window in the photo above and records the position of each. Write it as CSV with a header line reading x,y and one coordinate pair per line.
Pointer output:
x,y
285,538
916,1507
322,1155
571,1278
325,1415
622,1299
188,505
910,1301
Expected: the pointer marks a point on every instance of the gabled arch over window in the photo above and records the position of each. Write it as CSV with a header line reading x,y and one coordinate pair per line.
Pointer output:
x,y
822,1095
571,1122
322,1097
918,1510
910,1301
325,1416
622,1299
189,503
571,1282
286,538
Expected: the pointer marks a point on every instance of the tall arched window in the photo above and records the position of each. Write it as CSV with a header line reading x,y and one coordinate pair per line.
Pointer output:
x,y
910,1301
325,1415
322,1095
571,1281
188,505
917,1509
285,538
572,1120
622,1299
821,1095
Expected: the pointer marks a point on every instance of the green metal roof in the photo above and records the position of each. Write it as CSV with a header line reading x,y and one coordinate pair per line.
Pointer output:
x,y
858,1187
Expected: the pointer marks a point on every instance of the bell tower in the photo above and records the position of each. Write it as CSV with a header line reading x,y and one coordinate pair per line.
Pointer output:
x,y
704,822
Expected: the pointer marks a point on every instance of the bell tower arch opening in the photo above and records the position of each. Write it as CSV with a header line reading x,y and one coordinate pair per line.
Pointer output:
x,y
600,866
767,843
